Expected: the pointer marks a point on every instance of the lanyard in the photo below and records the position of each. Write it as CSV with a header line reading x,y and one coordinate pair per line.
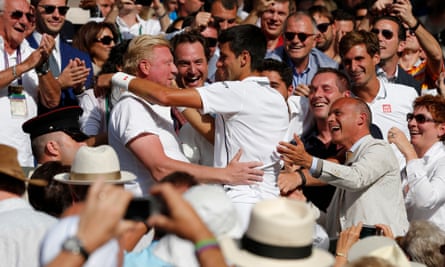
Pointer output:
x,y
19,60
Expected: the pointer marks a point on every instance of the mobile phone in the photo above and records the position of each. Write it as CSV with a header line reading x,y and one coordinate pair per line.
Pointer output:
x,y
143,2
368,230
140,208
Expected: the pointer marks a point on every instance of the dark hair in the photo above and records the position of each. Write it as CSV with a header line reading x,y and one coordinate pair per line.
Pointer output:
x,y
190,37
115,59
248,38
341,14
282,68
323,11
227,4
54,198
354,38
401,30
343,82
12,185
180,179
86,36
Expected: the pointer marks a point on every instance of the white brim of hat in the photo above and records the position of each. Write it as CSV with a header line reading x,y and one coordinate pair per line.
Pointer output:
x,y
242,258
126,177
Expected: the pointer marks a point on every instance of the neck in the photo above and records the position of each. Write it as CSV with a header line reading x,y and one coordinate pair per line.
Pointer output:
x,y
409,58
272,43
7,195
323,131
389,66
369,91
129,18
330,52
301,64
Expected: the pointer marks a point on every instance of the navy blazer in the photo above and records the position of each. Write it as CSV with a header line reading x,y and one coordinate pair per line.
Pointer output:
x,y
405,78
67,98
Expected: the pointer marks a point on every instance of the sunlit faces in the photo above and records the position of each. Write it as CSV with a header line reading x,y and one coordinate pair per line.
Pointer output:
x,y
388,46
325,28
342,121
359,65
324,92
50,23
68,148
14,28
192,65
105,6
228,64
101,48
273,17
161,67
424,135
226,18
298,49
277,83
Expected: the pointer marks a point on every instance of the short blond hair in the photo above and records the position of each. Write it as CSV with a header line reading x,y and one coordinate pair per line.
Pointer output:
x,y
140,48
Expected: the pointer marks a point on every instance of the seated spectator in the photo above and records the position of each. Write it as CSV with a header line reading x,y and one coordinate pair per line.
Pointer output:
x,y
422,243
21,227
96,39
424,174
54,198
55,136
89,165
267,241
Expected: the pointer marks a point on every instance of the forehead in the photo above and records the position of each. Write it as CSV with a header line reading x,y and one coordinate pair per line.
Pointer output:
x,y
17,5
161,53
320,17
280,6
344,25
356,51
325,78
386,24
189,50
300,24
53,2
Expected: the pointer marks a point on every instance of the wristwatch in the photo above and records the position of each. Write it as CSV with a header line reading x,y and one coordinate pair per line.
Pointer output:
x,y
43,68
74,245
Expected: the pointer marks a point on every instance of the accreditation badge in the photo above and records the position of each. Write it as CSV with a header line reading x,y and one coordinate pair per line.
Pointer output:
x,y
18,105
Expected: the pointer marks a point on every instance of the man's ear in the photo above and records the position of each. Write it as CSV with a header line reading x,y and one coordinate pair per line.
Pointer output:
x,y
144,67
52,148
245,58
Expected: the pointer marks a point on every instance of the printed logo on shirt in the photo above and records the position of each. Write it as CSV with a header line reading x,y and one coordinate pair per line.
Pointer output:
x,y
386,108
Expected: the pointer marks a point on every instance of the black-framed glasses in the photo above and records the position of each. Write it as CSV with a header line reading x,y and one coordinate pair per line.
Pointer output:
x,y
301,36
17,14
387,34
106,40
211,41
323,27
49,9
420,118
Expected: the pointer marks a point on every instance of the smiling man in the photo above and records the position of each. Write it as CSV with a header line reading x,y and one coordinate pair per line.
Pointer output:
x,y
369,188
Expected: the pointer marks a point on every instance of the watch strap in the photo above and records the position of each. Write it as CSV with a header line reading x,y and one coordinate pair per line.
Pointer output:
x,y
74,245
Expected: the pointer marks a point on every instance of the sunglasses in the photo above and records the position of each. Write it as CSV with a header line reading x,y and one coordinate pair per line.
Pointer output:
x,y
106,40
323,27
19,14
221,20
49,9
301,36
387,34
211,41
420,118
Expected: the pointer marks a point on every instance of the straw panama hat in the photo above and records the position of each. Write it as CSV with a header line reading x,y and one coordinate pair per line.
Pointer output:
x,y
280,234
92,163
381,247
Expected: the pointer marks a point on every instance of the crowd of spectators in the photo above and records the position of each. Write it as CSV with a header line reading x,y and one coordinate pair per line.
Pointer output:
x,y
223,133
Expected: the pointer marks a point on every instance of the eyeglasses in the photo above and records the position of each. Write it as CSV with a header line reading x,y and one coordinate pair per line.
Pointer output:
x,y
221,20
17,14
49,9
106,40
420,118
301,36
387,34
323,27
211,41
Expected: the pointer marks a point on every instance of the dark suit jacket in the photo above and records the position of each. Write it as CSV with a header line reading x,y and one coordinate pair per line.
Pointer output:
x,y
404,78
67,98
